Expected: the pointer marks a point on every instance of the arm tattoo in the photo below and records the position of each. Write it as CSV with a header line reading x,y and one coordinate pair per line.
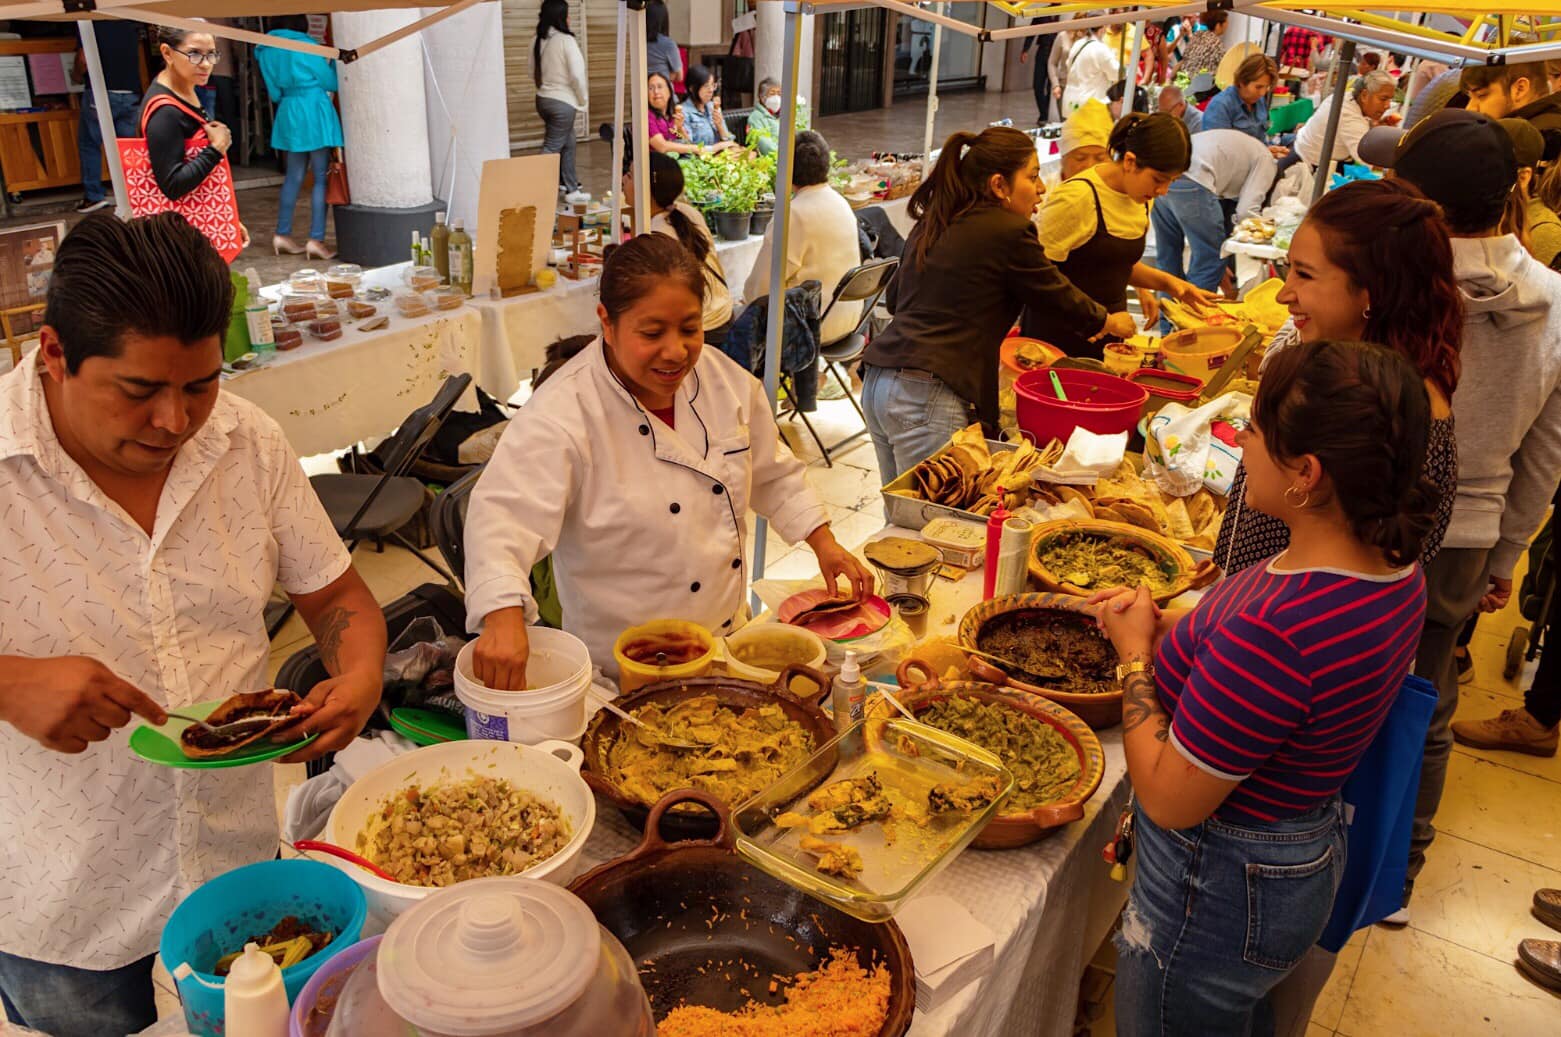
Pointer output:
x,y
333,625
1139,706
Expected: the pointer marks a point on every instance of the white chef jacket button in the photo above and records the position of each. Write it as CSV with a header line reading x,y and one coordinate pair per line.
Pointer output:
x,y
737,563
676,507
718,489
694,587
644,430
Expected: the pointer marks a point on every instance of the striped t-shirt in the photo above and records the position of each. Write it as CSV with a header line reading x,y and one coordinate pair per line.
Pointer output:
x,y
1280,680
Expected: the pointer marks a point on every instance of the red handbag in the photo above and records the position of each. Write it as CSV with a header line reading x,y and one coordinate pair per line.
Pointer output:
x,y
337,189
212,208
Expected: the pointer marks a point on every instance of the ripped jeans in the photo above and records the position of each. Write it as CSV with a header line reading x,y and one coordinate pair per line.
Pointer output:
x,y
1220,913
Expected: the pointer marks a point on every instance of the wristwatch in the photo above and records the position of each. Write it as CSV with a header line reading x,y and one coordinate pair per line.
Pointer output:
x,y
1126,670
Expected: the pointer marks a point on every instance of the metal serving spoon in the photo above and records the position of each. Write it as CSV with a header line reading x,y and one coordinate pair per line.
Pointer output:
x,y
660,736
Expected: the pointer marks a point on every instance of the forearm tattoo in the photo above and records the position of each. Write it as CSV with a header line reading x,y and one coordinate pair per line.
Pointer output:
x,y
1140,706
333,626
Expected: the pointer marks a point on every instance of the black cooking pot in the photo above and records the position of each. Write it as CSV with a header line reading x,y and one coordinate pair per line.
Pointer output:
x,y
702,925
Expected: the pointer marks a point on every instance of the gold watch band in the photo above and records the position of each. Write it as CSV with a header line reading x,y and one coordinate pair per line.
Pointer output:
x,y
1126,670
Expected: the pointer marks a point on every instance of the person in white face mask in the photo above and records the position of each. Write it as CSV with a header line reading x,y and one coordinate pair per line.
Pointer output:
x,y
764,121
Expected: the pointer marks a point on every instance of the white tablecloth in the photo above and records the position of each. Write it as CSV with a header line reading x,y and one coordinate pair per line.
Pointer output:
x,y
1049,904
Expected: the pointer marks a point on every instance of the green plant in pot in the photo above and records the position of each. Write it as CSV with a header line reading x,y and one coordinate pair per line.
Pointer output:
x,y
740,182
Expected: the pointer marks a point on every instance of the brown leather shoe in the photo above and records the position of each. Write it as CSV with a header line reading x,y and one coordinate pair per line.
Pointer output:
x,y
1514,730
1540,960
1547,907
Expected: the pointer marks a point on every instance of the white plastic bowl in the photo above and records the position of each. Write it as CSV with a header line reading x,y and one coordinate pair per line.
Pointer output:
x,y
550,770
803,640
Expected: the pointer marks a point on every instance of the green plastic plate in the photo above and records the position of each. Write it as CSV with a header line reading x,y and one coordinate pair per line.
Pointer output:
x,y
160,745
427,726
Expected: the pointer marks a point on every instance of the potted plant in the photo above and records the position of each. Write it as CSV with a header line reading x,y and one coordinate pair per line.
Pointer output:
x,y
764,210
739,182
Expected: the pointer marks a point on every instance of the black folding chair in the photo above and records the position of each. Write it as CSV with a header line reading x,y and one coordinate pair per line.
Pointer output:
x,y
865,284
448,518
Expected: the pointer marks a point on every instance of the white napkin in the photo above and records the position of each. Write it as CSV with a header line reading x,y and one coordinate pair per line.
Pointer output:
x,y
1087,457
950,948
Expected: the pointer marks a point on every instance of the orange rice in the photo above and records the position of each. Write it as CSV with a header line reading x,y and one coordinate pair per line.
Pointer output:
x,y
841,999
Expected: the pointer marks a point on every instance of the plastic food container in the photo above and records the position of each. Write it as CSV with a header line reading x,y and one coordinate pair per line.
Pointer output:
x,y
1123,358
502,957
328,309
777,640
1166,387
412,304
298,307
558,672
422,278
1102,403
360,310
909,760
963,543
550,770
287,335
1199,352
449,299
634,673
221,915
324,989
325,330
306,282
342,280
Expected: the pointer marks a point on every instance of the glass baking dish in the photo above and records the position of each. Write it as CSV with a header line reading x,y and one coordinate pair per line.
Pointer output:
x,y
899,853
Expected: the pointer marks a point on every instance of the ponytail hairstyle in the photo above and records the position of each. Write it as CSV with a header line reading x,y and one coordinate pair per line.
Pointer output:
x,y
962,179
553,17
1159,142
632,271
1362,410
666,187
1392,243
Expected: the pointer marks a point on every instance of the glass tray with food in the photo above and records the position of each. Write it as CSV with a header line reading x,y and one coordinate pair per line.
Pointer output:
x,y
872,815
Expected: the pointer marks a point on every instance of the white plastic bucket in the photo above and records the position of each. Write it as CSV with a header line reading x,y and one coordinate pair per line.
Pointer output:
x,y
559,672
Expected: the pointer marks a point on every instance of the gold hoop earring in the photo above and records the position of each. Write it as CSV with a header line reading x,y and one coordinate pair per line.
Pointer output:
x,y
1306,498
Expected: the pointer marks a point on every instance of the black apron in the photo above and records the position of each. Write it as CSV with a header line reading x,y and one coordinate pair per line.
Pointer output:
x,y
1100,268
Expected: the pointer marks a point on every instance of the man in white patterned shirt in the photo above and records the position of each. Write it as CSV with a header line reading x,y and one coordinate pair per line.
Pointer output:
x,y
147,516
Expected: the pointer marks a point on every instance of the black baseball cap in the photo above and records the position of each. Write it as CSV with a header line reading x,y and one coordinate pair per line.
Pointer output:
x,y
1454,156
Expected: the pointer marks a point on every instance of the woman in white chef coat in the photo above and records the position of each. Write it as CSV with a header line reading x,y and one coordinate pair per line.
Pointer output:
x,y
635,467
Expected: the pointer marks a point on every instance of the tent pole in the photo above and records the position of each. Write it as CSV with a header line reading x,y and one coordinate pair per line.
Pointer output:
x,y
105,114
405,31
1341,79
617,124
1134,35
780,231
932,94
154,17
639,118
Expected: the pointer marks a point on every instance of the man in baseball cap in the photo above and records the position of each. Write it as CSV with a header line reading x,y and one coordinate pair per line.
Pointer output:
x,y
1507,409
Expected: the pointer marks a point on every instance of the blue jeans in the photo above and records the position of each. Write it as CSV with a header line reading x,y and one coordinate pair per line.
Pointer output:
x,y
126,109
910,415
1190,212
1218,915
298,162
70,1002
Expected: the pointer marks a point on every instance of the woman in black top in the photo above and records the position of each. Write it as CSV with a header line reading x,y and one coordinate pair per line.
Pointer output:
x,y
971,264
1372,262
188,61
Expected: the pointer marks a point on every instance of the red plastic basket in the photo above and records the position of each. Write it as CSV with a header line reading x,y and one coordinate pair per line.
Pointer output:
x,y
1102,403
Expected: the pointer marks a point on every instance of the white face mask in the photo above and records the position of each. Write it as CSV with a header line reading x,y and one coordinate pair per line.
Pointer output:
x,y
772,104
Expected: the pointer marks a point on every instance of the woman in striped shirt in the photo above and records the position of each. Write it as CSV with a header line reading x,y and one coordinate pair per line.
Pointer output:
x,y
1243,718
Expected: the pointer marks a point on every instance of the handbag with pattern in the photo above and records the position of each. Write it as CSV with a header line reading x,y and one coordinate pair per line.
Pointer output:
x,y
212,208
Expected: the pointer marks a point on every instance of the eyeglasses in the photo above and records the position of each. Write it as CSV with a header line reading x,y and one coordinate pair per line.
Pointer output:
x,y
201,57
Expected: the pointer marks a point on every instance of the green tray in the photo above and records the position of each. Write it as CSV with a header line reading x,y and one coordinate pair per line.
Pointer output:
x,y
160,745
427,726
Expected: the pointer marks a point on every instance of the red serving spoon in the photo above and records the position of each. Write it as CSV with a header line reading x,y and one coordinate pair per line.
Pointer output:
x,y
305,845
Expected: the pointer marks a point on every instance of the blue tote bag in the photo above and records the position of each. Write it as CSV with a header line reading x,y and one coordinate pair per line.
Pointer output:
x,y
1379,804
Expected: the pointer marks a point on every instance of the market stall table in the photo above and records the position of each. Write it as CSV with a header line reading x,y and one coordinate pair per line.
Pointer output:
x,y
330,395
1048,905
1252,259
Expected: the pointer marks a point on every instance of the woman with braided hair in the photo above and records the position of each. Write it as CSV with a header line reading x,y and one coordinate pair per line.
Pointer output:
x,y
1372,262
1243,718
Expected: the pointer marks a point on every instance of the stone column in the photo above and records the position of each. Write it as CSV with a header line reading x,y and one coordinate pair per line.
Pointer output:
x,y
769,42
467,57
386,134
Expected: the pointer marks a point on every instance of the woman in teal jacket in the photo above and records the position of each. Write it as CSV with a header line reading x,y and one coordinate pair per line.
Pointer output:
x,y
306,129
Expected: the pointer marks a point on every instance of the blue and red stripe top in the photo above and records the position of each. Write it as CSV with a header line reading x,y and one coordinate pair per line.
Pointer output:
x,y
1280,680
